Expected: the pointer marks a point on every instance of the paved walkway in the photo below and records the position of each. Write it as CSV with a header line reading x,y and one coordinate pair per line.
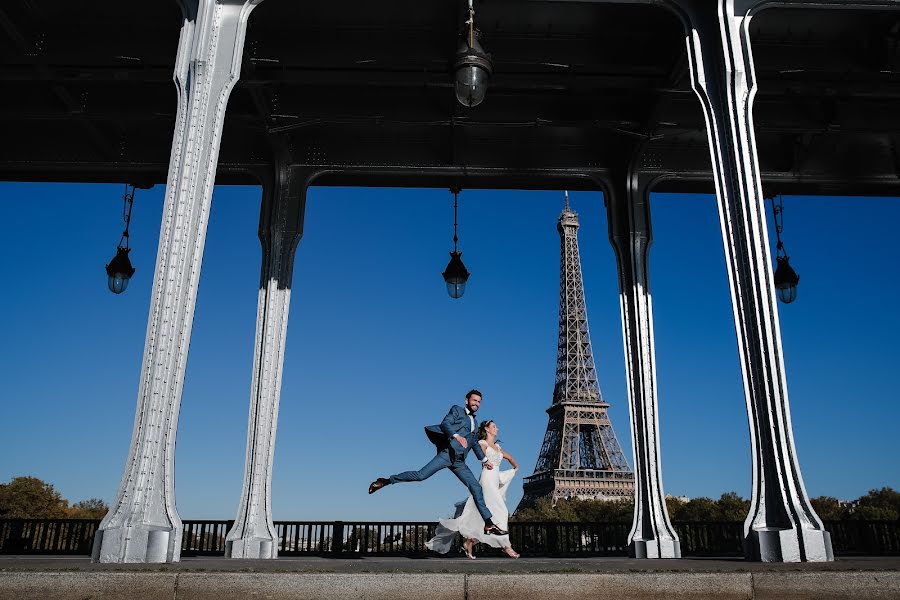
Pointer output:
x,y
75,578
460,564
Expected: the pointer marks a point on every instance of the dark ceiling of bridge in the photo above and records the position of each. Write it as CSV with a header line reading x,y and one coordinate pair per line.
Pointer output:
x,y
89,93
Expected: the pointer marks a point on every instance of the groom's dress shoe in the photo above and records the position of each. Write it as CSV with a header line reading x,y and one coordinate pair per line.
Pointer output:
x,y
494,530
378,484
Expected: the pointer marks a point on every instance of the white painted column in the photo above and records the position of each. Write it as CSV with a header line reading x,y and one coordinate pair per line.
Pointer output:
x,y
143,525
628,215
782,525
280,229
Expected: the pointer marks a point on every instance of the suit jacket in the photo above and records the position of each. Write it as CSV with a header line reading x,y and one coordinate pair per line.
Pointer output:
x,y
456,422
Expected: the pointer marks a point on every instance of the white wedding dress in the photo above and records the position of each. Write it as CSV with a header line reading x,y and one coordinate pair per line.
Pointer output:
x,y
467,521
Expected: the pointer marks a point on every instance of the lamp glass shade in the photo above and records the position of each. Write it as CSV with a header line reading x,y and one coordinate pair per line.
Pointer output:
x,y
118,282
456,289
787,294
471,84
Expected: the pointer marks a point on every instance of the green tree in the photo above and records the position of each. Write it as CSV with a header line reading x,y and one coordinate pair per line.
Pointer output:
x,y
729,507
697,509
545,510
92,508
31,498
673,506
604,511
566,510
575,510
732,507
828,508
878,504
873,513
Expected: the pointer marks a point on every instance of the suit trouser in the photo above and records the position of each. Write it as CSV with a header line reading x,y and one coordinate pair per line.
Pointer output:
x,y
459,468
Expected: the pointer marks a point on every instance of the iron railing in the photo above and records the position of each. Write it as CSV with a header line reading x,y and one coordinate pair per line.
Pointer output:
x,y
204,538
710,538
397,538
307,538
568,539
47,536
864,538
295,538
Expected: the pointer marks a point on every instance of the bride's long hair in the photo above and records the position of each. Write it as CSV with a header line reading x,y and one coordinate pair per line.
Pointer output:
x,y
482,430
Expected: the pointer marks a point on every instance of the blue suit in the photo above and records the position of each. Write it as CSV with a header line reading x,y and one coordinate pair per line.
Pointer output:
x,y
451,455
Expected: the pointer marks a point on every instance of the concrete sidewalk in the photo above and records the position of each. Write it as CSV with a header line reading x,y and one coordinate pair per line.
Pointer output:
x,y
75,578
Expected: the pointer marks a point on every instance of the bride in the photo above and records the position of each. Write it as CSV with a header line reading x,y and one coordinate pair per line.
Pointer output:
x,y
467,521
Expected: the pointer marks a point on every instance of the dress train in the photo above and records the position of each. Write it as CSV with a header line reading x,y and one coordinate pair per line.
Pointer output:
x,y
467,521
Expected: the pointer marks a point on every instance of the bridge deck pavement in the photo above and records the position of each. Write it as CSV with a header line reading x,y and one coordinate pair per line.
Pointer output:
x,y
75,578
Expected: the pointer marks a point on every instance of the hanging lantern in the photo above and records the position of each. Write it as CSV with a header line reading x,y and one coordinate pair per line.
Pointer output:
x,y
786,279
473,67
455,275
119,269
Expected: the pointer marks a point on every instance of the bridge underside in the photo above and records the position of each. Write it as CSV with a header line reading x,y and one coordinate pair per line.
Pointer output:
x,y
362,91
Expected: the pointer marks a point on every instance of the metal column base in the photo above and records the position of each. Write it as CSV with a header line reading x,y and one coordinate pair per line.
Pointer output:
x,y
788,545
251,548
140,544
654,549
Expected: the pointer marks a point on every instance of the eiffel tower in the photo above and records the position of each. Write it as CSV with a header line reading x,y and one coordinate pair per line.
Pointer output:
x,y
580,456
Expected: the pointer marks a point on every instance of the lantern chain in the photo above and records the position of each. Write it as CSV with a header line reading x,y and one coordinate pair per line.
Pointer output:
x,y
127,205
455,206
778,214
471,24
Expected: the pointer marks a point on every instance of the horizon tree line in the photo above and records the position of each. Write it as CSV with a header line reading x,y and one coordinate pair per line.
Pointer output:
x,y
29,497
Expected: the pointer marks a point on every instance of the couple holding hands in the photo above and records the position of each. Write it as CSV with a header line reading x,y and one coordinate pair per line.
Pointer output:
x,y
484,516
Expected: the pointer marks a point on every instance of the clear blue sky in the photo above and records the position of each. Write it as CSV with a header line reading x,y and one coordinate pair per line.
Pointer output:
x,y
376,349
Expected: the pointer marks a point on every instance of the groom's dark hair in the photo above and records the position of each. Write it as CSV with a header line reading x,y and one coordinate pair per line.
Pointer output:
x,y
474,392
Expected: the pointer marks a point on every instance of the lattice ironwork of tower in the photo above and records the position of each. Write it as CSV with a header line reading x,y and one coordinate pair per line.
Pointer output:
x,y
581,456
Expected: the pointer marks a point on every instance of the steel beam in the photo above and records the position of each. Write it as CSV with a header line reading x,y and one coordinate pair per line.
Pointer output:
x,y
630,232
253,534
143,524
782,525
12,31
74,109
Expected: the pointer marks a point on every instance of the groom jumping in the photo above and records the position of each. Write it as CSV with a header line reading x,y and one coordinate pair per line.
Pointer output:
x,y
453,437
